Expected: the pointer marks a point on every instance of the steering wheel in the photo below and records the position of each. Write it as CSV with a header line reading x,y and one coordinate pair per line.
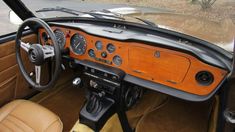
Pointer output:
x,y
38,54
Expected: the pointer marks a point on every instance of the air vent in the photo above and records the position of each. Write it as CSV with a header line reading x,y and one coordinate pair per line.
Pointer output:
x,y
204,78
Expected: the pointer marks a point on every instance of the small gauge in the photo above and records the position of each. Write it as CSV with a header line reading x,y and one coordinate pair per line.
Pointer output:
x,y
111,48
60,38
104,54
98,45
91,53
117,60
78,44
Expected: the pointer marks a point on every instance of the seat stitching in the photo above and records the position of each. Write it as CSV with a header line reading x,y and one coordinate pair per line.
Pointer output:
x,y
21,120
12,123
13,109
6,126
15,124
52,124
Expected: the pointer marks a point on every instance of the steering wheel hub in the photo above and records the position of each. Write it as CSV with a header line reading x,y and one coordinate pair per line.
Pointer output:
x,y
36,55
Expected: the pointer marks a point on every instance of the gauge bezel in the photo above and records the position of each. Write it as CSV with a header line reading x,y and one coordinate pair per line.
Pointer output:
x,y
85,44
64,38
116,63
110,44
102,46
89,53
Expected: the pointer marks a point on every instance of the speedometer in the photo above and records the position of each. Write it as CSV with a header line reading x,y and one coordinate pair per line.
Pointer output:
x,y
60,38
78,44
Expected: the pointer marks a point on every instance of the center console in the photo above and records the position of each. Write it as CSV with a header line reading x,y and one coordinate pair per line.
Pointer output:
x,y
104,96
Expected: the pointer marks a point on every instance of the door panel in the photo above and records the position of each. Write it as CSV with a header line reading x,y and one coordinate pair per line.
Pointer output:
x,y
12,83
7,91
7,61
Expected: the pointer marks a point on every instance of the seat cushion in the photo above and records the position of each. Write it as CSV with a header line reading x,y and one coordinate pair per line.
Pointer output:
x,y
26,116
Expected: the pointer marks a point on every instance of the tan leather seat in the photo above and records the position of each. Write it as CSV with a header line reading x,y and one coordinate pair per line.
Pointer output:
x,y
26,116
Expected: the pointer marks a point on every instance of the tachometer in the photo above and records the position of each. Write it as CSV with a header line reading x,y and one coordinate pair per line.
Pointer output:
x,y
60,38
78,44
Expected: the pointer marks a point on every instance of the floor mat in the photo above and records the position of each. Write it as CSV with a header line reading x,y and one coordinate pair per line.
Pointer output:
x,y
171,114
151,100
177,116
66,101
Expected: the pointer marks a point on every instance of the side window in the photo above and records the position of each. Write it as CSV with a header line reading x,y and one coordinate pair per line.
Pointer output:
x,y
5,24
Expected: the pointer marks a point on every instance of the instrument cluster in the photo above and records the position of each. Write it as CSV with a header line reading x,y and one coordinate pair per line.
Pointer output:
x,y
98,52
105,51
78,45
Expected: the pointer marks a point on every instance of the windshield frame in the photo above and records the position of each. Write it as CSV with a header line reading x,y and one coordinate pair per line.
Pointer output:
x,y
24,13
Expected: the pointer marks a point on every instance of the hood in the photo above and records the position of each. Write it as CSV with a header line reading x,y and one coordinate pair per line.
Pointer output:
x,y
220,33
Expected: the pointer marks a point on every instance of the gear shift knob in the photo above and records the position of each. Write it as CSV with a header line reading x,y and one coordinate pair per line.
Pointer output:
x,y
77,81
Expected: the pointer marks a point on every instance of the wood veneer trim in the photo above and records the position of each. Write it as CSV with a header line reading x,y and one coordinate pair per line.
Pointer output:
x,y
188,84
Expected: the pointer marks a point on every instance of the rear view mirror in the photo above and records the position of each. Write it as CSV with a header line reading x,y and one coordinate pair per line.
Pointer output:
x,y
14,19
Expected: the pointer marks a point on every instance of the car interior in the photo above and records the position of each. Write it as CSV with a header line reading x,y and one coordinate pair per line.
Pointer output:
x,y
81,76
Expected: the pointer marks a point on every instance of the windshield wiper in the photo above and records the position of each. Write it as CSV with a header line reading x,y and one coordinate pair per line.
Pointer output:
x,y
57,9
146,22
94,14
77,13
140,19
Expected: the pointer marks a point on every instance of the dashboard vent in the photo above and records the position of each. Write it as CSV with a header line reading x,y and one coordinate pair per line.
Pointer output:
x,y
204,78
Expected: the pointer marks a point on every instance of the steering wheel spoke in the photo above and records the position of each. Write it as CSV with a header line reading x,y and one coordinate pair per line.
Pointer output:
x,y
25,46
48,51
38,74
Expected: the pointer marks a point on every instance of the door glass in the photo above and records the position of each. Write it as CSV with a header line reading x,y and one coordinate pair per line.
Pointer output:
x,y
5,24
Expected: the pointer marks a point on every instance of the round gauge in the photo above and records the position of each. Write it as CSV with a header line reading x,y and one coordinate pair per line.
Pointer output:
x,y
60,38
117,60
111,48
98,45
78,44
91,53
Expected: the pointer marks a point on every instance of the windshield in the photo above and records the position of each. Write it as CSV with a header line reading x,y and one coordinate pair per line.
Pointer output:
x,y
212,21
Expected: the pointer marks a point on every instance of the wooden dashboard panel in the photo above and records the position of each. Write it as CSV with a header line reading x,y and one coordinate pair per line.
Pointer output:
x,y
152,62
168,67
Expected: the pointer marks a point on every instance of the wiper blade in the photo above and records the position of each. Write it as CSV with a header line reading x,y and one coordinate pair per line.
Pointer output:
x,y
75,12
66,10
57,9
142,20
94,14
147,22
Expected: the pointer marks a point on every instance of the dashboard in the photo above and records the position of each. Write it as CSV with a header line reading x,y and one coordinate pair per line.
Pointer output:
x,y
177,70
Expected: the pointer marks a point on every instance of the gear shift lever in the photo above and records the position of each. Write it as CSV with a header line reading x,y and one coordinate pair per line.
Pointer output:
x,y
94,104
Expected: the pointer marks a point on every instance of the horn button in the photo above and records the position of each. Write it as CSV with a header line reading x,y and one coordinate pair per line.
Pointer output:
x,y
36,55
